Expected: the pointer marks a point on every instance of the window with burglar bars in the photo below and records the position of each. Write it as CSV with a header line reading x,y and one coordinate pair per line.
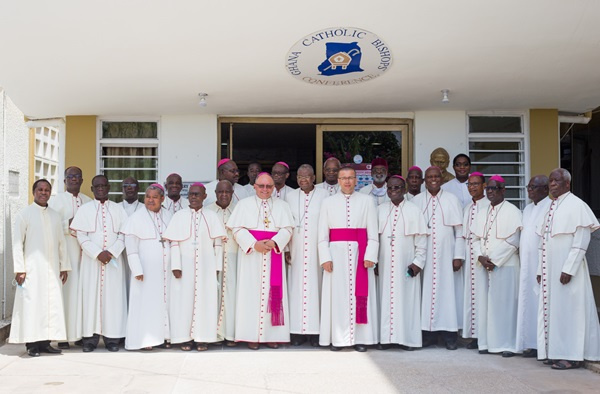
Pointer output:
x,y
128,149
45,155
497,146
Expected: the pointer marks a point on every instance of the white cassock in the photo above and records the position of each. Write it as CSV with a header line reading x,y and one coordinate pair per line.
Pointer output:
x,y
460,190
379,195
175,206
330,189
40,252
474,275
227,277
305,273
130,209
196,250
527,311
239,192
102,286
282,193
339,310
409,197
402,242
250,190
148,317
442,287
568,327
253,317
496,236
67,205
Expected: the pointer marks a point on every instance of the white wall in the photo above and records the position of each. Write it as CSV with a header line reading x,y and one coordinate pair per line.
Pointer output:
x,y
188,146
14,156
433,129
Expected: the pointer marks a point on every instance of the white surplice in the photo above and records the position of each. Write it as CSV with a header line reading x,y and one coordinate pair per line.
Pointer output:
x,y
175,206
250,190
67,205
252,319
402,242
568,327
442,287
496,236
474,275
227,277
460,190
305,273
148,317
330,189
102,286
196,250
39,251
239,193
527,310
338,301
378,195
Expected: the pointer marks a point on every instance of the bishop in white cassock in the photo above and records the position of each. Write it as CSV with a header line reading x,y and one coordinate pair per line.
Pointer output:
x,y
348,249
527,310
331,168
402,252
223,207
102,280
40,266
305,273
280,174
148,255
475,276
378,189
196,256
262,227
496,242
568,328
227,171
442,279
175,202
67,204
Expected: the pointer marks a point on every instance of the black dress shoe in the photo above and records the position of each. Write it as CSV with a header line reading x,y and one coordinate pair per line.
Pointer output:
x,y
473,344
335,348
451,345
508,354
484,351
530,353
407,348
88,348
298,340
50,349
314,340
78,343
429,342
33,352
64,345
384,346
360,348
112,347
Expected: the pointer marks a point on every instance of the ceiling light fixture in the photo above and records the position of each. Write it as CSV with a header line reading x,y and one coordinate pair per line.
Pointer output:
x,y
203,96
445,98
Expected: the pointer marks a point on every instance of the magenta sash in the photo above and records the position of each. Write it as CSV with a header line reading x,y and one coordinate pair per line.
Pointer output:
x,y
276,281
361,290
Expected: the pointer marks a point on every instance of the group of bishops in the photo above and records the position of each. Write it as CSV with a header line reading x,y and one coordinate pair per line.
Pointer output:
x,y
389,265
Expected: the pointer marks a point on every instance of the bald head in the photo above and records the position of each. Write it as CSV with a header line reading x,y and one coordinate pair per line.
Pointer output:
x,y
264,186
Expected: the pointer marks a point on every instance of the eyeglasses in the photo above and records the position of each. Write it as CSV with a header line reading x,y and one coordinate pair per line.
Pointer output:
x,y
303,178
268,187
129,184
347,178
533,187
469,184
331,170
394,188
493,188
101,186
194,194
76,176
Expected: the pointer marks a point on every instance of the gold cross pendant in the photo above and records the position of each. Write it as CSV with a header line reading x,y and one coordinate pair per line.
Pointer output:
x,y
267,221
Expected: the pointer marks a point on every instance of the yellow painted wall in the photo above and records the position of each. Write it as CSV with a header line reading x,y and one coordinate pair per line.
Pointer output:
x,y
543,141
81,147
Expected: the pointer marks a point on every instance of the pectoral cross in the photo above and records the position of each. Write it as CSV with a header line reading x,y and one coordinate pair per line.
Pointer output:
x,y
162,241
267,221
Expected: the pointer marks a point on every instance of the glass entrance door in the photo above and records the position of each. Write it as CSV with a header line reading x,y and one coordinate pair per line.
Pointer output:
x,y
358,145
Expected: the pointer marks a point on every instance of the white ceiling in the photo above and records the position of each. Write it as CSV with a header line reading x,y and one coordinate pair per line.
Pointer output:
x,y
149,57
